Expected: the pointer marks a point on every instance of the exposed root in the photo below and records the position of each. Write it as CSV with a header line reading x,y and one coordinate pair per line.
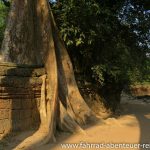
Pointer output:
x,y
61,102
43,110
67,123
76,105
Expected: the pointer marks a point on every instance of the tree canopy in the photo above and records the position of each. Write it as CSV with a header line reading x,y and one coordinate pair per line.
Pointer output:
x,y
107,39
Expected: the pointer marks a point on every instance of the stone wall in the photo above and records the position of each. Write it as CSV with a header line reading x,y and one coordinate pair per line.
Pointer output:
x,y
20,92
140,90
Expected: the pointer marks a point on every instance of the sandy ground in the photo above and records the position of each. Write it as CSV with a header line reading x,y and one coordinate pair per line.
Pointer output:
x,y
131,127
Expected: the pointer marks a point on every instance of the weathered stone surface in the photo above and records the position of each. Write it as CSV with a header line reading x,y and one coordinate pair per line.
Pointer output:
x,y
5,126
27,104
1,130
1,127
10,69
140,90
16,104
5,104
20,93
4,114
19,82
15,115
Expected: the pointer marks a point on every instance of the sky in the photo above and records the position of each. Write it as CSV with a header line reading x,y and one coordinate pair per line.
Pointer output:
x,y
52,0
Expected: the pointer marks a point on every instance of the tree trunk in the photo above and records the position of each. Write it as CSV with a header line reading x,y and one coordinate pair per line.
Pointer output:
x,y
31,37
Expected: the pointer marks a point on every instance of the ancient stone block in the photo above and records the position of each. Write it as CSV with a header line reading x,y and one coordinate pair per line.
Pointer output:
x,y
16,125
16,103
26,104
15,115
38,102
4,114
140,90
7,125
35,115
20,92
27,124
21,125
10,69
5,103
24,114
1,127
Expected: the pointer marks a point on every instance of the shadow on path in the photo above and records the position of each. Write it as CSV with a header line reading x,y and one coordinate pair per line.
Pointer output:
x,y
142,114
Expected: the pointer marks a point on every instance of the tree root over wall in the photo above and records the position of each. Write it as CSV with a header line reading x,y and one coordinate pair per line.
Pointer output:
x,y
31,37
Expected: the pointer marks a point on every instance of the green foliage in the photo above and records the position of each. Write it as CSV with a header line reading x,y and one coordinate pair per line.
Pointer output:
x,y
146,72
3,15
98,73
135,76
101,42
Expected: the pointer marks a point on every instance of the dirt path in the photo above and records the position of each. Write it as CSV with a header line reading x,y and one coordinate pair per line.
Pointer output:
x,y
132,126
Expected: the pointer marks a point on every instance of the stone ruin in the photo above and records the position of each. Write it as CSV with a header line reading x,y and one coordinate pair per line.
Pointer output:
x,y
20,93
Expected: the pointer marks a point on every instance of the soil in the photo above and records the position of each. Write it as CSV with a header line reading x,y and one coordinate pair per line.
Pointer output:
x,y
132,126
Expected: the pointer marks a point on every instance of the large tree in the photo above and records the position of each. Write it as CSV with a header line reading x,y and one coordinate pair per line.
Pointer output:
x,y
31,37
107,41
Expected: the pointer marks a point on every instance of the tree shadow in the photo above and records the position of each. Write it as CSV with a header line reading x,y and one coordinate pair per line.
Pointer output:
x,y
142,114
61,137
20,95
140,111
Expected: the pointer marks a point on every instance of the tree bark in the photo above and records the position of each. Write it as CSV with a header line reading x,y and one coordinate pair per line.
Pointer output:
x,y
31,37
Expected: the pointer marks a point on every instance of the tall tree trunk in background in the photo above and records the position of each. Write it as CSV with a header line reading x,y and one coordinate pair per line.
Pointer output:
x,y
31,37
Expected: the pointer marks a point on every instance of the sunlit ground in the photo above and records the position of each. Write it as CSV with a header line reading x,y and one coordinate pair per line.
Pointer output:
x,y
131,127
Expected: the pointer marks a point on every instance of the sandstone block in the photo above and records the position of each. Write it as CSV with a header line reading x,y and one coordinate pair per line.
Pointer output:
x,y
4,114
26,104
15,115
5,103
24,114
16,103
